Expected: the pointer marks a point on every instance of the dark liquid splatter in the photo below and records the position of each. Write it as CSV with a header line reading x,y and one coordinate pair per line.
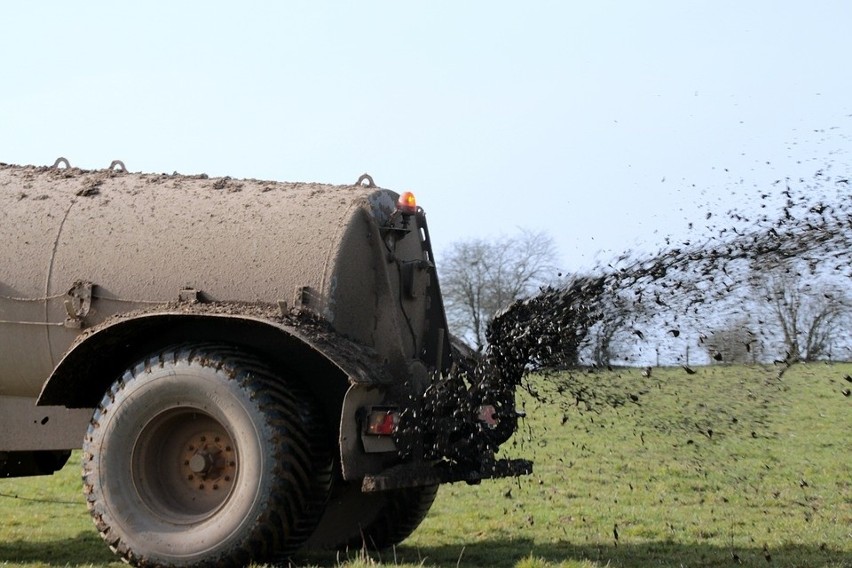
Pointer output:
x,y
682,287
676,294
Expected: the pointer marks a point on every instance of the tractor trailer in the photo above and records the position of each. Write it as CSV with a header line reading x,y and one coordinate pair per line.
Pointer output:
x,y
250,367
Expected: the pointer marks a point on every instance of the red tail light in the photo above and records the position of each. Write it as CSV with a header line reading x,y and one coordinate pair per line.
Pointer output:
x,y
382,422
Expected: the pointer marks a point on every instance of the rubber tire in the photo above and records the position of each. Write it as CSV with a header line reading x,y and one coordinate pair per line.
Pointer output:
x,y
132,478
373,521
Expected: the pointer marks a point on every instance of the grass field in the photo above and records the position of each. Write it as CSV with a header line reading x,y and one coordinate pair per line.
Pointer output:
x,y
728,466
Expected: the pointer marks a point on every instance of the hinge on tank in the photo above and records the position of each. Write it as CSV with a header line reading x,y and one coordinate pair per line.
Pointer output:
x,y
78,302
412,272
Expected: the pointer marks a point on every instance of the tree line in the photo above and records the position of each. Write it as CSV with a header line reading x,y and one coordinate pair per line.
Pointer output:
x,y
768,312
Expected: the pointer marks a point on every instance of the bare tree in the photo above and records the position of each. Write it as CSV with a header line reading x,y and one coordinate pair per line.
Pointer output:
x,y
480,277
809,314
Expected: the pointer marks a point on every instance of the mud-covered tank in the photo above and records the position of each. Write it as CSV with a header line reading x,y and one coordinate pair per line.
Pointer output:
x,y
243,362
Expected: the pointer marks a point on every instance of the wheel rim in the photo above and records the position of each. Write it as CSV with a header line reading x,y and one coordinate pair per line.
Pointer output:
x,y
184,466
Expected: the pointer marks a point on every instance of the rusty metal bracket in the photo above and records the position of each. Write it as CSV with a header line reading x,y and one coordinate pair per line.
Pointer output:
x,y
302,297
190,295
78,302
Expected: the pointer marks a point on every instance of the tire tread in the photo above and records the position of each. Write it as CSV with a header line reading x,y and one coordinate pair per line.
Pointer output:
x,y
301,453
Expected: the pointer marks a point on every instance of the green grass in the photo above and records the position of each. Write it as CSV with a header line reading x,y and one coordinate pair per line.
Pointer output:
x,y
729,465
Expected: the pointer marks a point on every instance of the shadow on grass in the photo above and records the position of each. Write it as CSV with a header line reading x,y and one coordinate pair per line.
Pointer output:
x,y
81,550
86,549
508,553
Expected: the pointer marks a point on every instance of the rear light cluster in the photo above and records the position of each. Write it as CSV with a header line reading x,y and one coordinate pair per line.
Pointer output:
x,y
381,422
488,415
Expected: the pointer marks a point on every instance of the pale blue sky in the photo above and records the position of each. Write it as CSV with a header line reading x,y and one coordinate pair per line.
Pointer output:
x,y
591,120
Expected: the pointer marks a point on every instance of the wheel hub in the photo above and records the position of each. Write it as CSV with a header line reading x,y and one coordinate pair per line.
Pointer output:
x,y
208,462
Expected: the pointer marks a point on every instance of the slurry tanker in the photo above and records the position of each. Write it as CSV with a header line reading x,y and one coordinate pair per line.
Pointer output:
x,y
250,367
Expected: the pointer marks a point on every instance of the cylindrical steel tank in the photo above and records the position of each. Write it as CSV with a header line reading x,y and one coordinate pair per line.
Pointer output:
x,y
262,365
142,240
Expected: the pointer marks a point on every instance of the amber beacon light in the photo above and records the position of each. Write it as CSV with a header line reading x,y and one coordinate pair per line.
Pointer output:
x,y
407,203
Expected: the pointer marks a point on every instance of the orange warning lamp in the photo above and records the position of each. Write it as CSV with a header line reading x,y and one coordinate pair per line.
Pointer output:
x,y
407,203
